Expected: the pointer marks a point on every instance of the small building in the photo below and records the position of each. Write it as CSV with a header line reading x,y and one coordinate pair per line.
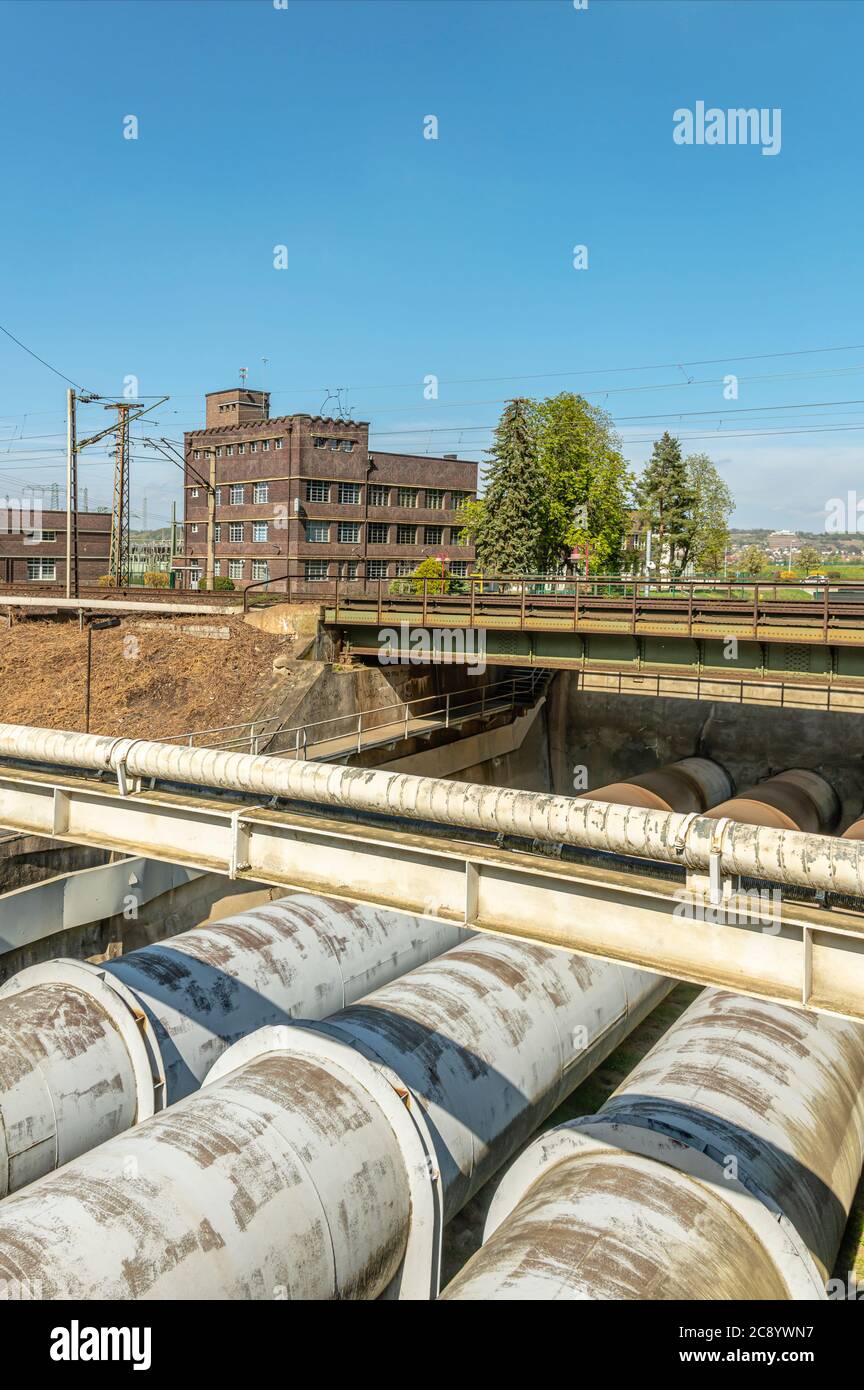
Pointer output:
x,y
302,497
33,545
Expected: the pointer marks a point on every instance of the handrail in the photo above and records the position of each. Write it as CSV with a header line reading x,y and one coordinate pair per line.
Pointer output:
x,y
254,731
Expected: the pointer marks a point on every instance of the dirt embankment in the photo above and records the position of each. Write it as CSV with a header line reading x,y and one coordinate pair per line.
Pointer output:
x,y
149,677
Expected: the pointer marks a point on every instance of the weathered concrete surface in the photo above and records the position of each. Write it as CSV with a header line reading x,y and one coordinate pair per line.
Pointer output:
x,y
26,859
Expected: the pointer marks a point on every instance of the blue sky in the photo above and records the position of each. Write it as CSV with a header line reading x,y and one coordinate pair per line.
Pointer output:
x,y
410,257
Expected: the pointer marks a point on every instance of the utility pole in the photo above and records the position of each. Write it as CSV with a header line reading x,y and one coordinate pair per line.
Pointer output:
x,y
210,572
71,496
119,566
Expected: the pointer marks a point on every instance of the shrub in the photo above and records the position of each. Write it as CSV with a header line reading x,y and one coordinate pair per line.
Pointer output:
x,y
437,580
105,581
220,584
155,579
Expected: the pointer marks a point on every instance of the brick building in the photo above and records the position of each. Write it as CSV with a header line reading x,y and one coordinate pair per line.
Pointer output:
x,y
302,496
33,545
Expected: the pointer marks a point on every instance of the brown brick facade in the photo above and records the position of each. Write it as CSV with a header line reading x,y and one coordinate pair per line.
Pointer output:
x,y
319,498
27,558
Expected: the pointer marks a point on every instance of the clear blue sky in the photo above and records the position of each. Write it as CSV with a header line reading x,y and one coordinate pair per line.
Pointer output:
x,y
409,257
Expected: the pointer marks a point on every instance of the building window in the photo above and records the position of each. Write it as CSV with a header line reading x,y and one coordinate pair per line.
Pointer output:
x,y
407,497
229,450
235,531
349,532
459,500
219,453
459,568
406,535
349,569
217,568
378,532
376,569
259,530
347,446
320,443
235,569
194,492
237,495
241,448
260,569
42,569
196,453
265,446
316,491
194,528
194,578
379,496
217,531
432,535
403,567
317,531
434,499
315,570
277,443
261,492
39,536
334,444
253,446
218,497
456,536
349,493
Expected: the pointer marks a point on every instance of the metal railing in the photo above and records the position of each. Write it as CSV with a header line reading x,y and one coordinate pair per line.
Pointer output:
x,y
419,715
525,598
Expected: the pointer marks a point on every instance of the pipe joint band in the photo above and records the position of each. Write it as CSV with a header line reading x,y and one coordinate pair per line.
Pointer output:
x,y
419,1275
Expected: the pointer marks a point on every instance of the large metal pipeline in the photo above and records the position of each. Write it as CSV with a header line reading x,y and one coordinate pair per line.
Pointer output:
x,y
784,856
689,785
797,799
724,1167
87,1051
321,1160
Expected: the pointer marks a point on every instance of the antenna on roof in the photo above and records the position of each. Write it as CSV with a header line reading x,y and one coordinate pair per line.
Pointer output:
x,y
244,372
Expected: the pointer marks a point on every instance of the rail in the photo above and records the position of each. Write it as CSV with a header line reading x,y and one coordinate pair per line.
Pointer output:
x,y
455,707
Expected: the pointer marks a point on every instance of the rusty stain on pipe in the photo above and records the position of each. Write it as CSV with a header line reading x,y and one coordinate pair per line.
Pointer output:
x,y
86,1052
794,800
287,1173
689,785
724,1167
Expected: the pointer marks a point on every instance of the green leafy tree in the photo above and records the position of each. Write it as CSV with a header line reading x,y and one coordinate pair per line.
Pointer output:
x,y
713,505
667,501
809,559
754,560
588,483
508,527
432,575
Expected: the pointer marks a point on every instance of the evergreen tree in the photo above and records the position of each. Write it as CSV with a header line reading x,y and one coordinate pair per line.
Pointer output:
x,y
667,501
509,526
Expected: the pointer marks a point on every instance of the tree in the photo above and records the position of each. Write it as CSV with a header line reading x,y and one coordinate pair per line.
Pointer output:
x,y
509,525
754,560
588,483
666,499
432,576
713,505
809,559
